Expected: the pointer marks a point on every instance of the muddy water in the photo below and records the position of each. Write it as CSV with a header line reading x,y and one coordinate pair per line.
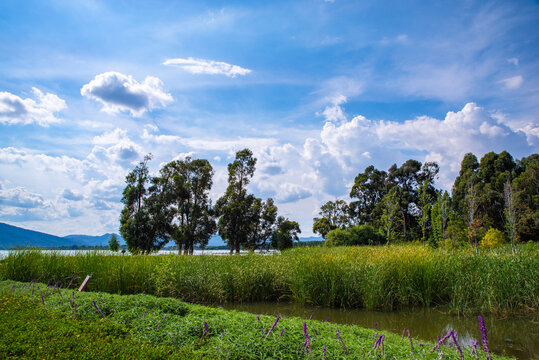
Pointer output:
x,y
514,336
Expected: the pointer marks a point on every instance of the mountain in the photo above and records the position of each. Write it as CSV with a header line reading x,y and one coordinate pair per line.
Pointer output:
x,y
13,236
87,240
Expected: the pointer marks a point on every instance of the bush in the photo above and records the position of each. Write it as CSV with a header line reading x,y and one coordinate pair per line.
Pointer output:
x,y
493,238
355,235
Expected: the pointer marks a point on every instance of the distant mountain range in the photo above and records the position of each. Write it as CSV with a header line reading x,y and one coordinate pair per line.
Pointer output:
x,y
13,236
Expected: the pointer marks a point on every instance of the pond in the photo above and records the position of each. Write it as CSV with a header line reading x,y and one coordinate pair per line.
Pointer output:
x,y
513,336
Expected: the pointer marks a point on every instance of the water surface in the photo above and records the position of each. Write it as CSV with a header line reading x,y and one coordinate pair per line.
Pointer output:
x,y
514,336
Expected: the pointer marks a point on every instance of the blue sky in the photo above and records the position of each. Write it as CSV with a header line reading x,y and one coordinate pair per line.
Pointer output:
x,y
318,90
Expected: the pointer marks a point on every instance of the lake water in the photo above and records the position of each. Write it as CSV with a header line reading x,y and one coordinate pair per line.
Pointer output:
x,y
514,336
4,253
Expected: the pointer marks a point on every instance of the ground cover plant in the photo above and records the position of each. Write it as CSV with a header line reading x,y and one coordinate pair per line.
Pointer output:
x,y
465,281
179,330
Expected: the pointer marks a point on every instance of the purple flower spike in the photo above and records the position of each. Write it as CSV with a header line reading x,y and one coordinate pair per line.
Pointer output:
x,y
474,350
327,319
342,343
158,325
484,339
98,309
272,326
42,300
258,318
311,317
457,344
324,352
282,332
72,279
375,325
411,341
307,343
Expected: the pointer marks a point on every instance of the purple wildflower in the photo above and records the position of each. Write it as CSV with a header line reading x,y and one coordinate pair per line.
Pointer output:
x,y
42,300
282,332
379,343
375,325
311,317
98,309
342,343
158,325
327,320
165,317
457,344
44,272
205,332
484,339
258,318
307,343
474,350
75,310
411,341
272,326
324,351
72,279
12,289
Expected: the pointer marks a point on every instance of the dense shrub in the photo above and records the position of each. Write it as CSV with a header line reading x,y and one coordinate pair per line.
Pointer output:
x,y
493,238
355,235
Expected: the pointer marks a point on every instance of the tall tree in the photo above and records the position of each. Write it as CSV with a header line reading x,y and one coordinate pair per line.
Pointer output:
x,y
369,188
262,215
185,186
510,213
333,215
286,232
392,215
233,207
469,167
526,192
114,244
143,221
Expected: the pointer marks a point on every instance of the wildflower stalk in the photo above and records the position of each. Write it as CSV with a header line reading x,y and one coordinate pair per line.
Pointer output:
x,y
342,343
98,309
484,339
272,327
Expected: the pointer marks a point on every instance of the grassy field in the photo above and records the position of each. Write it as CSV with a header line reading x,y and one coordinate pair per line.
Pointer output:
x,y
38,321
464,281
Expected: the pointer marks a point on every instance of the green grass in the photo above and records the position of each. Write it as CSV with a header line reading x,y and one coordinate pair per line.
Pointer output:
x,y
465,281
144,326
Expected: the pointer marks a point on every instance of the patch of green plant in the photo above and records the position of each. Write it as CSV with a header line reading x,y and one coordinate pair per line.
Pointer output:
x,y
178,330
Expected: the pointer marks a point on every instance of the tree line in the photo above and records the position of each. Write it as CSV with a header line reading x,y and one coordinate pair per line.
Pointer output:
x,y
496,193
175,205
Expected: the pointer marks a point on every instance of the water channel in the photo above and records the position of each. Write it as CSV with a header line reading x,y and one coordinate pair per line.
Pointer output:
x,y
513,336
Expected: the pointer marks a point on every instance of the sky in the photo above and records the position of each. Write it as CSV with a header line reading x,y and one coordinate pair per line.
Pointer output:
x,y
318,90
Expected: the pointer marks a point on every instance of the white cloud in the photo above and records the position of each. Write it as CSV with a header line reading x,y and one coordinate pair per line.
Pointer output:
x,y
118,92
15,110
202,66
513,61
21,198
512,82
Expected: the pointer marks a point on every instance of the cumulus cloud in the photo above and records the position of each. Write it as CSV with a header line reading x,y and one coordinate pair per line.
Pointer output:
x,y
21,198
73,196
289,192
118,92
512,82
202,66
16,110
513,61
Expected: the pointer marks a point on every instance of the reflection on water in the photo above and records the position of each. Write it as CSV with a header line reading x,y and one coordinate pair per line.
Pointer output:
x,y
514,336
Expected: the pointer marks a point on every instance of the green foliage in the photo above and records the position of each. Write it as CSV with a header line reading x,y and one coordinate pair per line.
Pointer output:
x,y
355,235
493,238
369,188
526,195
334,214
144,221
496,280
114,244
145,327
185,186
287,231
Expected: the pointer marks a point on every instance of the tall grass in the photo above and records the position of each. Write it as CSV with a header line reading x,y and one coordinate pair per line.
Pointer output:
x,y
465,281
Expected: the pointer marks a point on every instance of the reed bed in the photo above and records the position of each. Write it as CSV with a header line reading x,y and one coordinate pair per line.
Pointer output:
x,y
464,281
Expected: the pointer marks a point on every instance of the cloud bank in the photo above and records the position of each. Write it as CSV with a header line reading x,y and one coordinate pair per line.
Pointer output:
x,y
15,110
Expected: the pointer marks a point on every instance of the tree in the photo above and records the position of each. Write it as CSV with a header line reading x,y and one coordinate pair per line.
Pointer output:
x,y
391,216
185,186
262,217
510,213
526,193
334,214
369,188
425,204
472,220
114,245
233,207
286,232
143,221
